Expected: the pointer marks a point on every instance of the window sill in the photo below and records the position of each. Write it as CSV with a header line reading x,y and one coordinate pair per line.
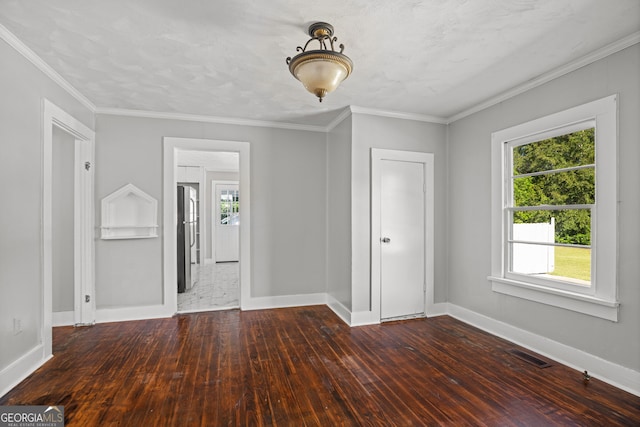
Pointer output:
x,y
586,304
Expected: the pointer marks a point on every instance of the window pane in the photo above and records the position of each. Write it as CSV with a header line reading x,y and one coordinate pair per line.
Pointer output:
x,y
234,219
224,206
532,259
229,207
236,203
572,265
570,226
573,149
576,187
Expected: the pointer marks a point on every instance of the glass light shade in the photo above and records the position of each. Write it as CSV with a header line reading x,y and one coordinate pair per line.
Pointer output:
x,y
320,71
320,76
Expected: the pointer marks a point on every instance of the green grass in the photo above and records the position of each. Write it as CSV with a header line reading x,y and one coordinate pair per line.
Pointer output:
x,y
573,262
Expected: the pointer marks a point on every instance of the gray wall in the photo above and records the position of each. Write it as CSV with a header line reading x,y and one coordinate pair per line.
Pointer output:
x,y
288,215
23,87
339,213
382,132
62,220
470,211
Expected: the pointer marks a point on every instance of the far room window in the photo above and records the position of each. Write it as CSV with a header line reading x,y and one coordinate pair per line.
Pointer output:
x,y
229,207
554,209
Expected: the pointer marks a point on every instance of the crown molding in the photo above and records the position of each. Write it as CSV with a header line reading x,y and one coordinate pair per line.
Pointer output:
x,y
590,58
31,56
354,109
346,112
208,119
398,115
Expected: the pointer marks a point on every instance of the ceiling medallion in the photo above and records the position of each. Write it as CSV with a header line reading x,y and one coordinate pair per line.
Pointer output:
x,y
321,70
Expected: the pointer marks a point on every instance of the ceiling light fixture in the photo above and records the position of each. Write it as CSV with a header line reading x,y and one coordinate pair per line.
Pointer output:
x,y
322,70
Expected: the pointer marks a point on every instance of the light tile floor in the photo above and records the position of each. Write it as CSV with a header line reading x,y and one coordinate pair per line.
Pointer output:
x,y
215,287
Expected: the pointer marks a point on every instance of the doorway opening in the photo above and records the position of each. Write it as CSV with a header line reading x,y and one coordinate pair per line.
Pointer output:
x,y
77,185
202,204
62,232
194,280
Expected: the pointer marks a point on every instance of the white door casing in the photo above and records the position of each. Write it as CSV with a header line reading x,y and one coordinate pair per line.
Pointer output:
x,y
420,164
84,272
225,231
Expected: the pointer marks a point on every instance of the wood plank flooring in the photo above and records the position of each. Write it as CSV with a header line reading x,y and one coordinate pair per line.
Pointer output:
x,y
305,367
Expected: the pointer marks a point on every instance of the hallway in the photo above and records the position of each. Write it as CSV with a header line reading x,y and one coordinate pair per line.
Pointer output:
x,y
215,287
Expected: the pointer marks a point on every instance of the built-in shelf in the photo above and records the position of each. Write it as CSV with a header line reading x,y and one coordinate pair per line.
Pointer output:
x,y
129,213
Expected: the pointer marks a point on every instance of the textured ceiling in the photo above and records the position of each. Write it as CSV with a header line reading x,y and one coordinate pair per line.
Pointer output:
x,y
227,58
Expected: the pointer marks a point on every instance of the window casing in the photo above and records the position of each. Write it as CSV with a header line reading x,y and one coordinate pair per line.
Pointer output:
x,y
593,291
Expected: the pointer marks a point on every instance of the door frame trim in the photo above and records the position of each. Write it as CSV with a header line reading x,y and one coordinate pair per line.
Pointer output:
x,y
427,159
84,218
170,146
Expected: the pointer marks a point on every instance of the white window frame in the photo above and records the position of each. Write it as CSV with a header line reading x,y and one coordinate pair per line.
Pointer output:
x,y
600,299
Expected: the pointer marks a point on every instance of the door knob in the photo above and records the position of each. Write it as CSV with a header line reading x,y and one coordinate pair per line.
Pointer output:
x,y
385,240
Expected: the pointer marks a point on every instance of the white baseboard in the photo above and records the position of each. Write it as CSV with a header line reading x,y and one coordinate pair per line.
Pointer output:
x,y
63,318
339,309
362,318
261,303
438,309
104,315
20,369
609,372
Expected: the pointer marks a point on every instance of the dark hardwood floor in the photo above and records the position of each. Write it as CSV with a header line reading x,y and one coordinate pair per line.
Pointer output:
x,y
304,366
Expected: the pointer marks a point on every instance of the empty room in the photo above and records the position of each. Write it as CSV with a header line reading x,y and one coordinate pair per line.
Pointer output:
x,y
317,214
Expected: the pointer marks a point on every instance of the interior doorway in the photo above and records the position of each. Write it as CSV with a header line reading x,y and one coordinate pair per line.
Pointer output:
x,y
402,209
205,161
62,232
66,128
202,204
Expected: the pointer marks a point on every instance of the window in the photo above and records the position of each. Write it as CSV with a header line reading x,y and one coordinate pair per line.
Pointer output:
x,y
550,195
554,208
229,207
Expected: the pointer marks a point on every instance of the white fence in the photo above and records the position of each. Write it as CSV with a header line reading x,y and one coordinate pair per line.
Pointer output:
x,y
531,258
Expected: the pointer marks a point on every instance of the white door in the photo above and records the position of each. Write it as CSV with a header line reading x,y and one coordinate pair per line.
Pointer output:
x,y
402,236
227,223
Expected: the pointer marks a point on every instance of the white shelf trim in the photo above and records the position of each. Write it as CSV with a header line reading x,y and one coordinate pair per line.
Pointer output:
x,y
129,213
